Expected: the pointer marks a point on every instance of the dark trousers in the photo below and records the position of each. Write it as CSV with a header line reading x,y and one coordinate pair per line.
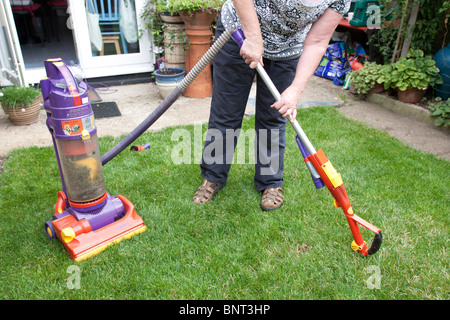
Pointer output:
x,y
232,82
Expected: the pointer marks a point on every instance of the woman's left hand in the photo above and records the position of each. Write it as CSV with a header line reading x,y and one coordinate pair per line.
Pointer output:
x,y
287,105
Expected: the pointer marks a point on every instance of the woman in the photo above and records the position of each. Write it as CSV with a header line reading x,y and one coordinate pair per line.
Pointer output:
x,y
289,39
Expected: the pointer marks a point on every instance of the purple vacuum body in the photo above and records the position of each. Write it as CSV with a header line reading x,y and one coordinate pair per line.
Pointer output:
x,y
83,205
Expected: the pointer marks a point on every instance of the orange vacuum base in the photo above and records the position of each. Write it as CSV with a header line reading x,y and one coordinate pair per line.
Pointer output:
x,y
86,245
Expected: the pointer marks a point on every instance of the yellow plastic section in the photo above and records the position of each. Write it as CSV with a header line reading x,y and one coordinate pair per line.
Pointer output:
x,y
49,231
332,174
67,234
85,135
103,247
355,247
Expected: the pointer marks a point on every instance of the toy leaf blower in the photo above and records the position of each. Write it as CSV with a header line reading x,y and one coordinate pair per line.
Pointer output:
x,y
87,218
324,174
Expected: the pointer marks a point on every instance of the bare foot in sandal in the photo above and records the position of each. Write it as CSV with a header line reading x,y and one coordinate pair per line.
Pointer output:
x,y
207,191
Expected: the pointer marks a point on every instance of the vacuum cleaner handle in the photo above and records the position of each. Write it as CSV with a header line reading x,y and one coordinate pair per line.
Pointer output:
x,y
61,71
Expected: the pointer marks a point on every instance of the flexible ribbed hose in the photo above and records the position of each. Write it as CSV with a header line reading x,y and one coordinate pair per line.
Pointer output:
x,y
169,100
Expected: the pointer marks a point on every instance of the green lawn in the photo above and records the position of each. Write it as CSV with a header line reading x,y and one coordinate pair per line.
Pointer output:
x,y
230,249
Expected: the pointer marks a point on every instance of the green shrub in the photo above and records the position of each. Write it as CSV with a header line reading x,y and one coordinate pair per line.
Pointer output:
x,y
365,78
441,110
193,5
16,97
415,71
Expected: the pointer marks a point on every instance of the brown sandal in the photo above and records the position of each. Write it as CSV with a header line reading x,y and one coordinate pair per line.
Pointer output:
x,y
207,191
272,199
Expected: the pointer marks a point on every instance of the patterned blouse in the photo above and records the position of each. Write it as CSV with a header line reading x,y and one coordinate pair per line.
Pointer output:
x,y
284,23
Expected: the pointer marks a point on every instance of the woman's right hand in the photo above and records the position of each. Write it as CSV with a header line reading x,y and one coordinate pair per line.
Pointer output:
x,y
252,50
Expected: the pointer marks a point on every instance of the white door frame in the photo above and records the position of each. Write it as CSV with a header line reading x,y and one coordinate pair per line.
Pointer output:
x,y
11,59
109,65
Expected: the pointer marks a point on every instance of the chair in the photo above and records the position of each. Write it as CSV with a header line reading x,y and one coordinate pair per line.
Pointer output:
x,y
55,5
114,39
25,7
109,20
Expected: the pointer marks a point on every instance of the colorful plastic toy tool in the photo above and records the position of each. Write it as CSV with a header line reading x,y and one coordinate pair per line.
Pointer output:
x,y
323,173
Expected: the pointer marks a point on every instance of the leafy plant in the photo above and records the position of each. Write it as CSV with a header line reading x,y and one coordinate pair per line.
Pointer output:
x,y
365,78
445,9
17,97
441,110
151,17
190,6
415,71
430,23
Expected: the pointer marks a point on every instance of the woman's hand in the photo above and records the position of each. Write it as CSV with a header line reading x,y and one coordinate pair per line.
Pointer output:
x,y
253,47
287,105
252,50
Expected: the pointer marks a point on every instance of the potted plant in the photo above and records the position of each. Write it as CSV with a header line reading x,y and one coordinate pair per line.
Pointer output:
x,y
167,30
191,6
370,78
198,16
411,76
21,104
167,79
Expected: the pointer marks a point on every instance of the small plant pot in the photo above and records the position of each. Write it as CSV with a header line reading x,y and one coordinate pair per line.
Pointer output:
x,y
165,88
410,95
174,43
378,88
168,18
21,116
167,80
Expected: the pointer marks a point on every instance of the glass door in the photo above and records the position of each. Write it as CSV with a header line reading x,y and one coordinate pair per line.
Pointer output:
x,y
106,37
11,61
64,33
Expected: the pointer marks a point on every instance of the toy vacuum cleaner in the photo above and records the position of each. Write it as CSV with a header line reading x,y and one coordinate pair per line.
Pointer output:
x,y
87,218
324,174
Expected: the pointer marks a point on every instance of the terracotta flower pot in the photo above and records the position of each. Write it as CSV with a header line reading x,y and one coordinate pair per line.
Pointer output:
x,y
378,88
21,116
410,95
198,30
